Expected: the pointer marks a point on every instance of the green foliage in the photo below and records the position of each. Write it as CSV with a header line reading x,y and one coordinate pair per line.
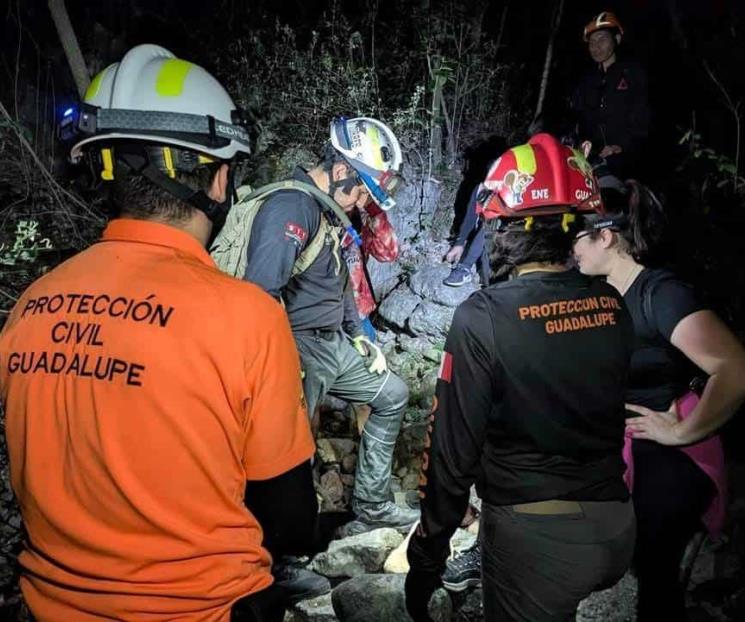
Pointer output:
x,y
438,89
28,243
714,172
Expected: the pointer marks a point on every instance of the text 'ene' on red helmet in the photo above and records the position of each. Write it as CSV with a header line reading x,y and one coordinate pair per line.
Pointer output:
x,y
540,178
603,21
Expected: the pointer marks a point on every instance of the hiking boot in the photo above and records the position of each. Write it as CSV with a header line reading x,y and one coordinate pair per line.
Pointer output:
x,y
376,515
463,571
297,582
460,275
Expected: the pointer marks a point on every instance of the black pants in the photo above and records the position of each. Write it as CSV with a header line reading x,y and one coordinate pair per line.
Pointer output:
x,y
670,494
537,568
265,606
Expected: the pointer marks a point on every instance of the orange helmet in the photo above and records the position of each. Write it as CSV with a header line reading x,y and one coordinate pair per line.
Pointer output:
x,y
603,21
540,178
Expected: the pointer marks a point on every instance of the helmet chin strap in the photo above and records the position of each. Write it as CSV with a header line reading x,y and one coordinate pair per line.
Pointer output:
x,y
199,199
346,185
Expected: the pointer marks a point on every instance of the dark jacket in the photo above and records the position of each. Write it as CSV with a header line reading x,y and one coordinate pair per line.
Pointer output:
x,y
319,298
530,402
612,107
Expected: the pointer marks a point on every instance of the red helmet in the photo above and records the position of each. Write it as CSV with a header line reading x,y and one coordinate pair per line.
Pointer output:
x,y
539,178
603,21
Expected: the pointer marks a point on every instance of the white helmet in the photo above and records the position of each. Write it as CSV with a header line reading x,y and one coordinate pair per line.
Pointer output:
x,y
153,96
157,115
371,149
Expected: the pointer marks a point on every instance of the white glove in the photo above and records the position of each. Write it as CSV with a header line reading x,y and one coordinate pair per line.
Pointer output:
x,y
369,350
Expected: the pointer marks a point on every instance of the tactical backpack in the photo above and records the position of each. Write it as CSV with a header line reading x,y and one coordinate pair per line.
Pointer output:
x,y
230,248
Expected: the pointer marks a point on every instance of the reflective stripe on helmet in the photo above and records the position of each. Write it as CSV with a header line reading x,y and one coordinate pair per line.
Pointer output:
x,y
171,77
95,85
525,159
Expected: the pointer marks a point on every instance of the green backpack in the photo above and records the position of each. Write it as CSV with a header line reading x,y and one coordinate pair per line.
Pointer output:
x,y
230,248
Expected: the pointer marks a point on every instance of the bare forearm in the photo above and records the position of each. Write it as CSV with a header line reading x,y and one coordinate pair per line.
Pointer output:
x,y
723,395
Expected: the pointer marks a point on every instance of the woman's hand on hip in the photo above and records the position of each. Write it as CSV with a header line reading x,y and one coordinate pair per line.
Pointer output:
x,y
660,426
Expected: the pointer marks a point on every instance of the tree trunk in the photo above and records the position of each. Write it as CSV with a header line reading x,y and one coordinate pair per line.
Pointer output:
x,y
502,21
549,56
70,45
478,11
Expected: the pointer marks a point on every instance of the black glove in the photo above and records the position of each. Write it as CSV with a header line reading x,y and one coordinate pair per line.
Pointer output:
x,y
420,585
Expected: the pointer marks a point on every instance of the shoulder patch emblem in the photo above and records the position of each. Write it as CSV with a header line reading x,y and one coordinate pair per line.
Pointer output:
x,y
296,233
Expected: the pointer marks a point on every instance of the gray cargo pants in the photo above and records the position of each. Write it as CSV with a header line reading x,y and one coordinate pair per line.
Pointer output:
x,y
332,366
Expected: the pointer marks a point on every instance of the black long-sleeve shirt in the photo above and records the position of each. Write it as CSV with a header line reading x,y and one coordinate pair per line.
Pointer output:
x,y
530,402
612,107
319,298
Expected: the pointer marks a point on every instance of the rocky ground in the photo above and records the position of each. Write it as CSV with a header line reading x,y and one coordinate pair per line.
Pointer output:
x,y
367,570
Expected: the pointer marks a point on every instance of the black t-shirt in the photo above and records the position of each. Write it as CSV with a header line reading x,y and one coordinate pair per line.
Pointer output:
x,y
530,400
660,373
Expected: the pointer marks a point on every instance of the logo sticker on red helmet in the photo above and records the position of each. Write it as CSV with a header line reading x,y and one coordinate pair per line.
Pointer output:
x,y
517,183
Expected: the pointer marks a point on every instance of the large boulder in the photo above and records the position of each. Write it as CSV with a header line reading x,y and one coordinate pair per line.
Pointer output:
x,y
379,598
431,319
416,202
384,276
398,306
357,555
427,283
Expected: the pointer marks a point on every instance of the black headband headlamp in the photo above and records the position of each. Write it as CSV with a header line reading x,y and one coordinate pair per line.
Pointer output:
x,y
201,130
610,222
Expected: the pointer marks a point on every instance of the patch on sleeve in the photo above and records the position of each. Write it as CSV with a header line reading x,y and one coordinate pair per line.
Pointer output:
x,y
296,233
446,367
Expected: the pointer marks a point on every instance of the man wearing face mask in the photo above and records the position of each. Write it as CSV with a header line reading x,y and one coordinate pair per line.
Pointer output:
x,y
610,104
362,161
153,405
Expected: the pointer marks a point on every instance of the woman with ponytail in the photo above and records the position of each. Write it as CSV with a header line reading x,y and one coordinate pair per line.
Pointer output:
x,y
675,465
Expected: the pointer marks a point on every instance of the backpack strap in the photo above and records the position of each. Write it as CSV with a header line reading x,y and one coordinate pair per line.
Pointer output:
x,y
313,249
294,184
326,231
647,294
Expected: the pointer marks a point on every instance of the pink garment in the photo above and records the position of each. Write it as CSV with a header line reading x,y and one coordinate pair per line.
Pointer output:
x,y
378,240
709,457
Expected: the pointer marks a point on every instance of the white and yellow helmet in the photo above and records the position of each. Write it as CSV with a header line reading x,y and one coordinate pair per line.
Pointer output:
x,y
373,151
152,96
